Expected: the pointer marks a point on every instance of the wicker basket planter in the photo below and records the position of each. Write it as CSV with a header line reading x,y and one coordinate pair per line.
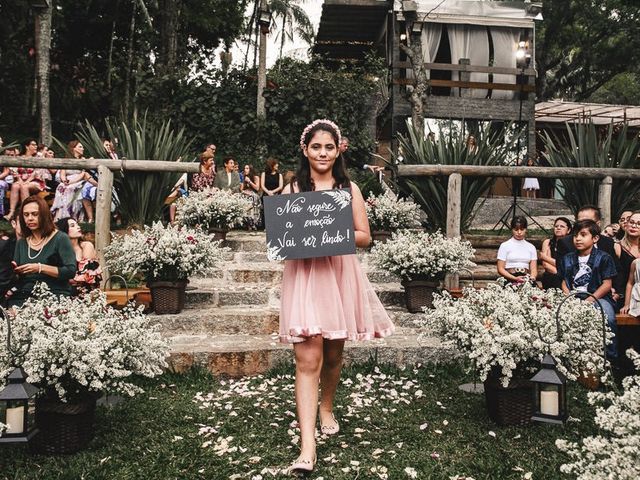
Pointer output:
x,y
63,427
168,297
219,233
380,236
510,405
419,293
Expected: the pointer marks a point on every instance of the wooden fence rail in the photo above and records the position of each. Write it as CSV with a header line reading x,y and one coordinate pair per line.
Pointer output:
x,y
105,168
456,172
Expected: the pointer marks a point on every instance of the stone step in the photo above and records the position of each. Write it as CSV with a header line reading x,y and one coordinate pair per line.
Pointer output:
x,y
230,320
240,355
269,294
247,320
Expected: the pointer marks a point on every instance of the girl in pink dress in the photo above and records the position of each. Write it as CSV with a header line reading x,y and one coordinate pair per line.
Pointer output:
x,y
325,300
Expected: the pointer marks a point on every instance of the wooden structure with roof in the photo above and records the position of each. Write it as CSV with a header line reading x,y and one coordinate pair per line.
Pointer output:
x,y
469,48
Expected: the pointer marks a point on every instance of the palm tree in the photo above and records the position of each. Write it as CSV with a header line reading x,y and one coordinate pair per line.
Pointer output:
x,y
293,21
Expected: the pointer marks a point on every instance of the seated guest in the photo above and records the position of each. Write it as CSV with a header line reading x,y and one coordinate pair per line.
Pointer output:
x,y
251,187
228,178
271,181
517,258
43,254
591,270
205,178
606,244
549,253
7,276
610,230
624,217
629,249
89,192
89,274
4,185
68,199
26,180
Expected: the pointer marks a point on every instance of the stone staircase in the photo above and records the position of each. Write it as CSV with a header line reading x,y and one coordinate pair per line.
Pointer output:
x,y
230,322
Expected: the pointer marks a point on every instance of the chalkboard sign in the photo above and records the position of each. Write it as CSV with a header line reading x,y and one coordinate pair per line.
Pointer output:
x,y
309,224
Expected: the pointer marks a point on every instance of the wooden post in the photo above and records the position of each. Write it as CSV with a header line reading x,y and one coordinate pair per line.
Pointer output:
x,y
464,76
103,215
604,200
454,201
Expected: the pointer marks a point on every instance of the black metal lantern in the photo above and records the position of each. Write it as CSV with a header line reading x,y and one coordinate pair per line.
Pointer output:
x,y
17,408
549,393
264,19
17,399
549,385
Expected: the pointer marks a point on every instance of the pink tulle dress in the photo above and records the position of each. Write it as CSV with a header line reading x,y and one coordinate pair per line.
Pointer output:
x,y
332,297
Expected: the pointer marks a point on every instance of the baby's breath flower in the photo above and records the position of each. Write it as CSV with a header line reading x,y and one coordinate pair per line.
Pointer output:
x,y
82,345
213,209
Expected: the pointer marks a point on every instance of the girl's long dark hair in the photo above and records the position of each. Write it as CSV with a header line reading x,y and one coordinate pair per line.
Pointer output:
x,y
303,178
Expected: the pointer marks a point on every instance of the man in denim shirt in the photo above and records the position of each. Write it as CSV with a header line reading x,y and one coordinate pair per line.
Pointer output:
x,y
591,270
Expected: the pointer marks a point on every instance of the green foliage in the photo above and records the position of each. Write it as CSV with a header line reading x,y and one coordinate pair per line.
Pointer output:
x,y
222,111
141,195
591,146
623,89
451,149
583,45
85,35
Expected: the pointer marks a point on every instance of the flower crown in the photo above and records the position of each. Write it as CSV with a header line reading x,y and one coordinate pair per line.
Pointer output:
x,y
308,128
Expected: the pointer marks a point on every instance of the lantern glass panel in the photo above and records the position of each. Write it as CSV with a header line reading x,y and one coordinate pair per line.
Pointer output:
x,y
13,416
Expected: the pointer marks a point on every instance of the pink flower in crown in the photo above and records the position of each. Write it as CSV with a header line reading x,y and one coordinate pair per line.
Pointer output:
x,y
313,124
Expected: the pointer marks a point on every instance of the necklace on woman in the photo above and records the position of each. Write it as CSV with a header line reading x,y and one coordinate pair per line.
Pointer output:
x,y
35,245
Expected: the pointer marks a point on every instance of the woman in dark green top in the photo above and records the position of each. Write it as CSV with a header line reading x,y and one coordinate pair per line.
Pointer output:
x,y
43,254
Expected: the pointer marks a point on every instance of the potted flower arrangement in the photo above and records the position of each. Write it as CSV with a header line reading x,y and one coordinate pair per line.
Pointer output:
x,y
213,210
77,349
168,256
422,260
387,215
613,452
505,331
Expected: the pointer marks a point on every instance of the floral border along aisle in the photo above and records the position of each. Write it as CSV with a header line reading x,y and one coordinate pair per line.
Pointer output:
x,y
503,330
615,451
168,256
79,348
422,260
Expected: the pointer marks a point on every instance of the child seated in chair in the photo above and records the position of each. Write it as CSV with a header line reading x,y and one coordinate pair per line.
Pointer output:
x,y
590,270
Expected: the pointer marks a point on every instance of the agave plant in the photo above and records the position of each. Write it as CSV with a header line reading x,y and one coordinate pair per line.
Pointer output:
x,y
493,148
141,195
586,145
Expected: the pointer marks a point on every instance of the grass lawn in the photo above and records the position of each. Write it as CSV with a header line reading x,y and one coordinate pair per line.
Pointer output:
x,y
196,426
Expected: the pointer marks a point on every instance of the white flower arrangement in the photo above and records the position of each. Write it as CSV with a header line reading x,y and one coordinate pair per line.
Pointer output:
x,y
213,208
506,328
414,255
164,252
388,214
81,346
615,452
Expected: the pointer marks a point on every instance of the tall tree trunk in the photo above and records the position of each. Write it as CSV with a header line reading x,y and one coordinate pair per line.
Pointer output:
x,y
110,54
262,68
128,72
418,96
168,57
43,61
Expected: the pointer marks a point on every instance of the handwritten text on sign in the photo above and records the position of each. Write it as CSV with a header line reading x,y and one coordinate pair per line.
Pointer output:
x,y
309,224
